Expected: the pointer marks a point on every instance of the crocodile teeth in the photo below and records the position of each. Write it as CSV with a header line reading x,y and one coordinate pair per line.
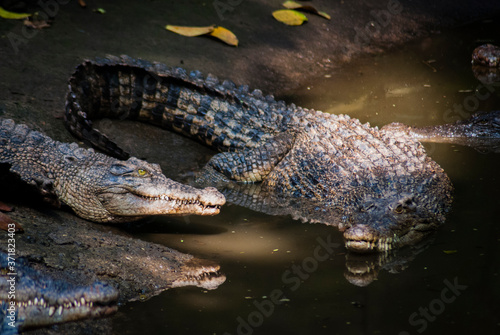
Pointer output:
x,y
179,202
60,310
51,310
82,300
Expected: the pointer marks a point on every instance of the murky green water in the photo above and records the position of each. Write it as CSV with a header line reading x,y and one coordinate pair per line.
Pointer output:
x,y
451,286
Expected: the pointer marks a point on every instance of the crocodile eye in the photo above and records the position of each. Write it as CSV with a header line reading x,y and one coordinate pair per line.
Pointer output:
x,y
399,209
141,172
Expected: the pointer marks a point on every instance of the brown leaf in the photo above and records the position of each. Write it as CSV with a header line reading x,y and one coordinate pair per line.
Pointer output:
x,y
36,23
5,221
307,8
5,208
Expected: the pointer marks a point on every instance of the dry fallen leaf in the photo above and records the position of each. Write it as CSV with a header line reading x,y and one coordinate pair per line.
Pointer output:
x,y
221,33
308,8
5,208
290,17
225,36
35,23
11,15
190,31
5,221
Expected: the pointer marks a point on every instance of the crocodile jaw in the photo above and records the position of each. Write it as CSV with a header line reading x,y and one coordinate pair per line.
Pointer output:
x,y
123,203
362,239
40,316
367,238
43,309
201,273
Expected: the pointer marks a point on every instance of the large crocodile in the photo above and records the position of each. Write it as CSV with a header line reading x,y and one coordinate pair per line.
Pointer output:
x,y
379,186
98,187
31,299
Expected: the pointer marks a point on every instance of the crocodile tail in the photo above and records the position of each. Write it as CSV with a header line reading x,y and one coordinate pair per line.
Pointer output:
x,y
78,123
220,115
85,101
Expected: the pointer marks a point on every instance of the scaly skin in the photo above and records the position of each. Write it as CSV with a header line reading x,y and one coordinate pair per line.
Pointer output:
x,y
478,126
36,300
384,190
486,55
98,187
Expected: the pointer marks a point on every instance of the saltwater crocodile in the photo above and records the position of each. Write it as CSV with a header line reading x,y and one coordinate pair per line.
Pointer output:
x,y
31,299
378,186
98,187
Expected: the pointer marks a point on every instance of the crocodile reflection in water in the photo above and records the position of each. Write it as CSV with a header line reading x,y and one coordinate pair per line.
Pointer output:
x,y
69,250
363,269
31,299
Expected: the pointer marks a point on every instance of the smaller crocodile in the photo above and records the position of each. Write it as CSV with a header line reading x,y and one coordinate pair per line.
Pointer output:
x,y
31,299
97,187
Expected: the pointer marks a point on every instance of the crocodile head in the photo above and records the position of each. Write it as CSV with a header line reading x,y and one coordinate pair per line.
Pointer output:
x,y
481,125
398,218
39,300
110,190
386,224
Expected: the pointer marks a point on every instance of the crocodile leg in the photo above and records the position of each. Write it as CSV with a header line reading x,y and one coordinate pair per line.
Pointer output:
x,y
251,165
